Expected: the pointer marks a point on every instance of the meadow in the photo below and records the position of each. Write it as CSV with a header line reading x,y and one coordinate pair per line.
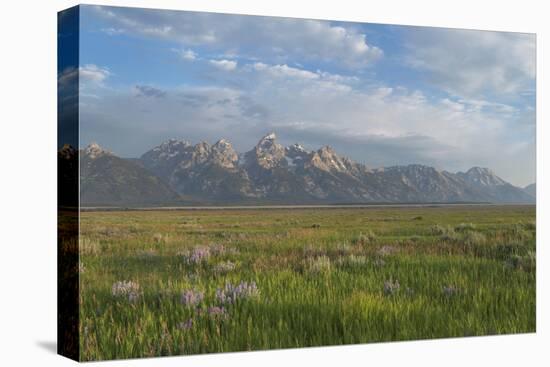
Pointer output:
x,y
157,283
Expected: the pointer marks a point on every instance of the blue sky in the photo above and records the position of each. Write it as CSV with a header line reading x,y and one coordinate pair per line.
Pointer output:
x,y
380,94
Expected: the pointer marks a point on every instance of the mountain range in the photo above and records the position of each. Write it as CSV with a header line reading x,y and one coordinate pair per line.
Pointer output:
x,y
180,173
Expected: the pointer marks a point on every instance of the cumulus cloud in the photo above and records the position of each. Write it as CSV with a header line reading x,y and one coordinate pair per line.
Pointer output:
x,y
474,63
274,38
187,54
93,73
227,65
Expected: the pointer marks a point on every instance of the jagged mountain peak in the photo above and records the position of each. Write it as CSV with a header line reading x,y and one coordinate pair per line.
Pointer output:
x,y
267,154
94,151
270,136
172,143
326,149
327,159
479,170
223,142
223,154
482,176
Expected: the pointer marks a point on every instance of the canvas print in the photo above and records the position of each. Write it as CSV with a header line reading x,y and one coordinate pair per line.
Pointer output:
x,y
236,183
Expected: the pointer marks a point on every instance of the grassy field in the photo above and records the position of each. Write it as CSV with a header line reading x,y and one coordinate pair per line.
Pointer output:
x,y
157,283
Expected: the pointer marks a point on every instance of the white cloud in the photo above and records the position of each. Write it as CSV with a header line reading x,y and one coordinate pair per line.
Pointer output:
x,y
285,71
453,106
474,63
273,38
187,54
93,73
226,65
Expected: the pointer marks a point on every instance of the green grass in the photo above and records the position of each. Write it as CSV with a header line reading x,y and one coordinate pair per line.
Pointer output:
x,y
321,275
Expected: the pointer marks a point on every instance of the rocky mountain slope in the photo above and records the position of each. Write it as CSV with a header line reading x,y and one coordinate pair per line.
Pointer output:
x,y
107,180
272,173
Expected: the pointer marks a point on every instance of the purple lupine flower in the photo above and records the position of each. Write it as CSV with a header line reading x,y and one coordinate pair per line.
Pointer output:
x,y
231,293
191,297
126,289
197,256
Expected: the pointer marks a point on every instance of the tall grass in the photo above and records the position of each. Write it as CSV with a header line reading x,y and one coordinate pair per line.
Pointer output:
x,y
153,281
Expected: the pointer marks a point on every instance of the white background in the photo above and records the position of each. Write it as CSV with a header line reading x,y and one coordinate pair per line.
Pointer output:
x,y
28,183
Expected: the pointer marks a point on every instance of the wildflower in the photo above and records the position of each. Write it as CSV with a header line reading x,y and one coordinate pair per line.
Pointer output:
x,y
126,289
231,293
391,287
191,297
186,325
197,256
224,267
219,249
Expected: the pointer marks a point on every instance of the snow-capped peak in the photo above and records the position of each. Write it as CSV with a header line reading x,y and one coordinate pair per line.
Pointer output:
x,y
94,150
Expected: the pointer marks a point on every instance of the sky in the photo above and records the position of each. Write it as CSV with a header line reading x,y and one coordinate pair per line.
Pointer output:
x,y
382,95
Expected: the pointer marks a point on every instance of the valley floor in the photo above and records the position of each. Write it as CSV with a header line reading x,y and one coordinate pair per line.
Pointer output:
x,y
156,283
